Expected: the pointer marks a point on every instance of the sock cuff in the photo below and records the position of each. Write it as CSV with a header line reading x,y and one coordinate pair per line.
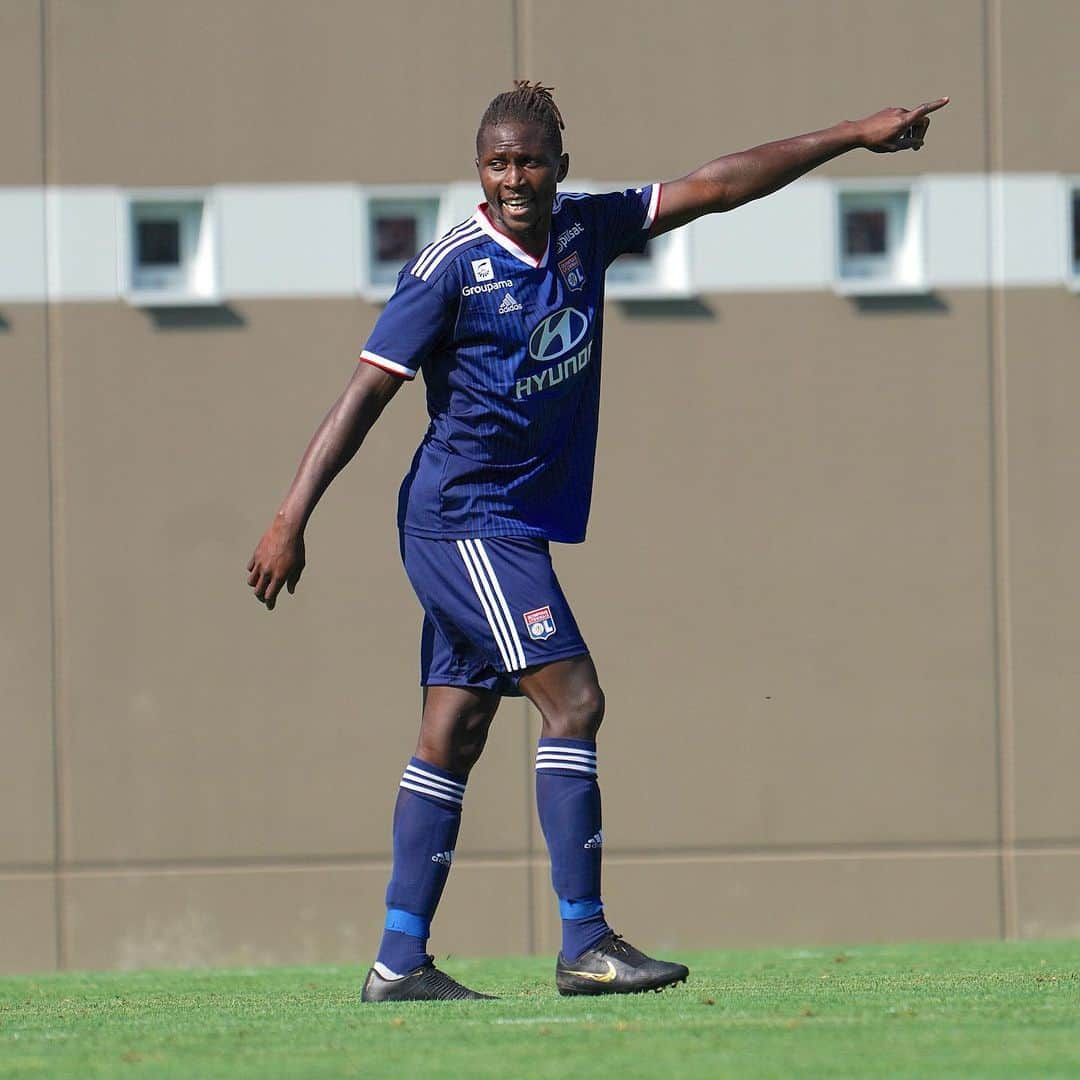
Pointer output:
x,y
433,782
405,922
580,909
571,757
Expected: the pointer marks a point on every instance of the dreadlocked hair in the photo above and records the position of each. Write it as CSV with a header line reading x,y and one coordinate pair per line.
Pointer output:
x,y
528,101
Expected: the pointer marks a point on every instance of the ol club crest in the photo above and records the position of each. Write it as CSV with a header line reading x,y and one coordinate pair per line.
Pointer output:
x,y
572,271
540,624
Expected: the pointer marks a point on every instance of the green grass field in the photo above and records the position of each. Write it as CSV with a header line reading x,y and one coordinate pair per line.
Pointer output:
x,y
914,1010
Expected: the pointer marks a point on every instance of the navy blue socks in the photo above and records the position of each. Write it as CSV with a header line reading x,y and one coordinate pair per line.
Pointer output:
x,y
427,817
568,800
426,821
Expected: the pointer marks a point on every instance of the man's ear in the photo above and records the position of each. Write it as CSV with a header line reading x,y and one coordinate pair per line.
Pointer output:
x,y
564,168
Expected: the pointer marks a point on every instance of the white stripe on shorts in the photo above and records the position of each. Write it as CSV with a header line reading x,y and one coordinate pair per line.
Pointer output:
x,y
502,600
483,593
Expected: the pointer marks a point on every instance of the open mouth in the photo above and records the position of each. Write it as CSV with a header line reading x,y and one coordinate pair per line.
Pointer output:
x,y
517,207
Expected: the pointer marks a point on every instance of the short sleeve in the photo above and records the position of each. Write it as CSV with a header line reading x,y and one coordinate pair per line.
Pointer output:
x,y
625,218
415,321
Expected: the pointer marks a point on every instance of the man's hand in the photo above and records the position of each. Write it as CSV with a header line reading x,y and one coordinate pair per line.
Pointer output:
x,y
278,560
897,129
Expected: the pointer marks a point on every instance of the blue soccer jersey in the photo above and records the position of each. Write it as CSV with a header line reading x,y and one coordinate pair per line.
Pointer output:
x,y
509,347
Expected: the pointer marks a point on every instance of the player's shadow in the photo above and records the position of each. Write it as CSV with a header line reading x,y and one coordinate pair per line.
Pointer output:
x,y
922,304
691,307
210,317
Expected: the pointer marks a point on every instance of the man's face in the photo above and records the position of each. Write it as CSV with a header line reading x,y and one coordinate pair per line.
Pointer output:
x,y
519,172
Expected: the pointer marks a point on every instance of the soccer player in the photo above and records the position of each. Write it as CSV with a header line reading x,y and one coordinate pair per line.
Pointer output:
x,y
504,317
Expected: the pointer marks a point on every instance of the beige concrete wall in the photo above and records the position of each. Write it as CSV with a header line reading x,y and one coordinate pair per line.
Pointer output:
x,y
20,92
656,88
269,90
1042,331
1038,50
829,578
27,751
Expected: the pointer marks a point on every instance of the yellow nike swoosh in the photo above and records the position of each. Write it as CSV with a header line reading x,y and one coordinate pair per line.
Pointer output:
x,y
596,976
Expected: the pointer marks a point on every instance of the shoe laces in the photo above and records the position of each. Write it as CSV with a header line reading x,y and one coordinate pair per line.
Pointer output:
x,y
443,987
616,943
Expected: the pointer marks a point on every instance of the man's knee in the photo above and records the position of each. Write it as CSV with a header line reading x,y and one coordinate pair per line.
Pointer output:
x,y
578,716
453,733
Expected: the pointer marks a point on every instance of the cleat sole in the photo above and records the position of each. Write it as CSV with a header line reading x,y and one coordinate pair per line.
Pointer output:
x,y
600,991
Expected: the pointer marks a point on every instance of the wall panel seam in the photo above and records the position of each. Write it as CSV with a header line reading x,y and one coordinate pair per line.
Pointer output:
x,y
808,853
999,491
538,862
59,929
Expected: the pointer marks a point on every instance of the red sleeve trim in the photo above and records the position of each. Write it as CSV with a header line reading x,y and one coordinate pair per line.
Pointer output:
x,y
387,365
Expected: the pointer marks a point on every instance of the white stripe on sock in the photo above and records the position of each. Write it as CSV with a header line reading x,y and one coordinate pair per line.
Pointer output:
x,y
567,751
435,793
423,774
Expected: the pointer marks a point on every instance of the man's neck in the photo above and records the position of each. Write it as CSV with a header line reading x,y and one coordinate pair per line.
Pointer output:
x,y
534,243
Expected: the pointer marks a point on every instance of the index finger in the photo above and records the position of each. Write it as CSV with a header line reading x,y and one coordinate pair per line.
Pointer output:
x,y
928,107
272,590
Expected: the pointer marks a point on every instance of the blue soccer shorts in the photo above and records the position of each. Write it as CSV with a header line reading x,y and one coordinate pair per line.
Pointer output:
x,y
492,608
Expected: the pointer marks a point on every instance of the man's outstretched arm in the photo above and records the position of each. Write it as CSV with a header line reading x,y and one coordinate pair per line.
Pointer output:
x,y
279,557
735,179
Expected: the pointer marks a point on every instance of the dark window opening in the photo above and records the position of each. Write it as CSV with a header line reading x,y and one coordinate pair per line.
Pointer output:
x,y
159,243
395,239
865,232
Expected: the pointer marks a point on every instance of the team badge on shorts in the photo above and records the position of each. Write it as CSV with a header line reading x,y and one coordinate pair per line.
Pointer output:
x,y
572,271
540,624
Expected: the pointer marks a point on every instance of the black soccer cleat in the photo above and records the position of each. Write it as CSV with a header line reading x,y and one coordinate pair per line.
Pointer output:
x,y
426,983
614,966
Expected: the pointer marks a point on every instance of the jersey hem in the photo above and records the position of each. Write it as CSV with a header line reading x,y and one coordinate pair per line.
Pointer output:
x,y
490,532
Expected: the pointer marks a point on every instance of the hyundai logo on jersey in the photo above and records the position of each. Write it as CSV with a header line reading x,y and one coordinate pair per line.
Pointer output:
x,y
556,341
558,334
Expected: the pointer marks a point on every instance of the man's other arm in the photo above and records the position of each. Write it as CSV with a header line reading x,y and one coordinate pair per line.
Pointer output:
x,y
279,557
739,178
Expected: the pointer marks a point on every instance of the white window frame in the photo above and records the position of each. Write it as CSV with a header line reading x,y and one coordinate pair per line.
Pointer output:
x,y
668,262
198,280
906,273
1071,264
372,281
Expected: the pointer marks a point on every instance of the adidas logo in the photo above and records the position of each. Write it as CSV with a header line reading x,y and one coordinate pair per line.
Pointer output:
x,y
443,858
595,841
509,304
